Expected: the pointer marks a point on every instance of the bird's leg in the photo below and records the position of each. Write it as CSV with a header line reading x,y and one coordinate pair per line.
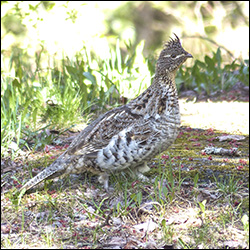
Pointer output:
x,y
104,179
140,170
143,168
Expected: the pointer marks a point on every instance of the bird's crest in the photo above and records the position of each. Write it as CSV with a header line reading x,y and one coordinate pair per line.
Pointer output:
x,y
173,43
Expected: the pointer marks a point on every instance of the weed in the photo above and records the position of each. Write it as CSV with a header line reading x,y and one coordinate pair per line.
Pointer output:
x,y
196,178
168,231
48,237
183,244
228,185
212,74
202,206
137,198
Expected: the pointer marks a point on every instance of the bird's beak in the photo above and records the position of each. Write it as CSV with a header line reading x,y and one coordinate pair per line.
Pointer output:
x,y
189,55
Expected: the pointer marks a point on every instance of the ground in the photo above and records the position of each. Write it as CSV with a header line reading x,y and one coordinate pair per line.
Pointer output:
x,y
194,197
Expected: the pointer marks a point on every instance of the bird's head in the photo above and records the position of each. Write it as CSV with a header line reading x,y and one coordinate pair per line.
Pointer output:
x,y
172,57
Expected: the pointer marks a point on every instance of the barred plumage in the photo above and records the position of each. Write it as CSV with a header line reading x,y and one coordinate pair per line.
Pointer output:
x,y
128,136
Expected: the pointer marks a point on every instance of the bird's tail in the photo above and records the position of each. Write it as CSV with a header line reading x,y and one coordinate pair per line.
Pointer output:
x,y
57,168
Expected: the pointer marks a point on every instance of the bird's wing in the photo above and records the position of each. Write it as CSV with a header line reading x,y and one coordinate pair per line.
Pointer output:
x,y
99,133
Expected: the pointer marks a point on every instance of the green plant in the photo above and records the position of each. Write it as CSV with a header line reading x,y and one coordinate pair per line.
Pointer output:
x,y
48,237
57,96
168,231
202,205
228,185
167,184
183,244
212,74
137,198
196,178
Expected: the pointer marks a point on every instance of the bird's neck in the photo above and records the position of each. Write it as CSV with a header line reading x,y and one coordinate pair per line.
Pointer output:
x,y
166,80
161,97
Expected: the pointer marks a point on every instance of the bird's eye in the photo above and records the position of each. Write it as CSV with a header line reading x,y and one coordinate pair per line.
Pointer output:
x,y
173,56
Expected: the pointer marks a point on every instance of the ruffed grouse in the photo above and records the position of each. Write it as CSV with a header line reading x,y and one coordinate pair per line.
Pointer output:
x,y
125,138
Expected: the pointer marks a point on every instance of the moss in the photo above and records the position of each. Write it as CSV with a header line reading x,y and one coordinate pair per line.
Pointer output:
x,y
186,153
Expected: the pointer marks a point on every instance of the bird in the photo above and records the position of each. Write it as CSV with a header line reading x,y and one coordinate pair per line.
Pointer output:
x,y
125,138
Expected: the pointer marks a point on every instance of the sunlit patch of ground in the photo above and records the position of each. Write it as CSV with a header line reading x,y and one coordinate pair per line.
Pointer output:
x,y
231,117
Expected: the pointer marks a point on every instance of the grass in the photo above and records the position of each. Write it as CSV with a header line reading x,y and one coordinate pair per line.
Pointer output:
x,y
186,208
83,215
59,94
65,93
228,185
